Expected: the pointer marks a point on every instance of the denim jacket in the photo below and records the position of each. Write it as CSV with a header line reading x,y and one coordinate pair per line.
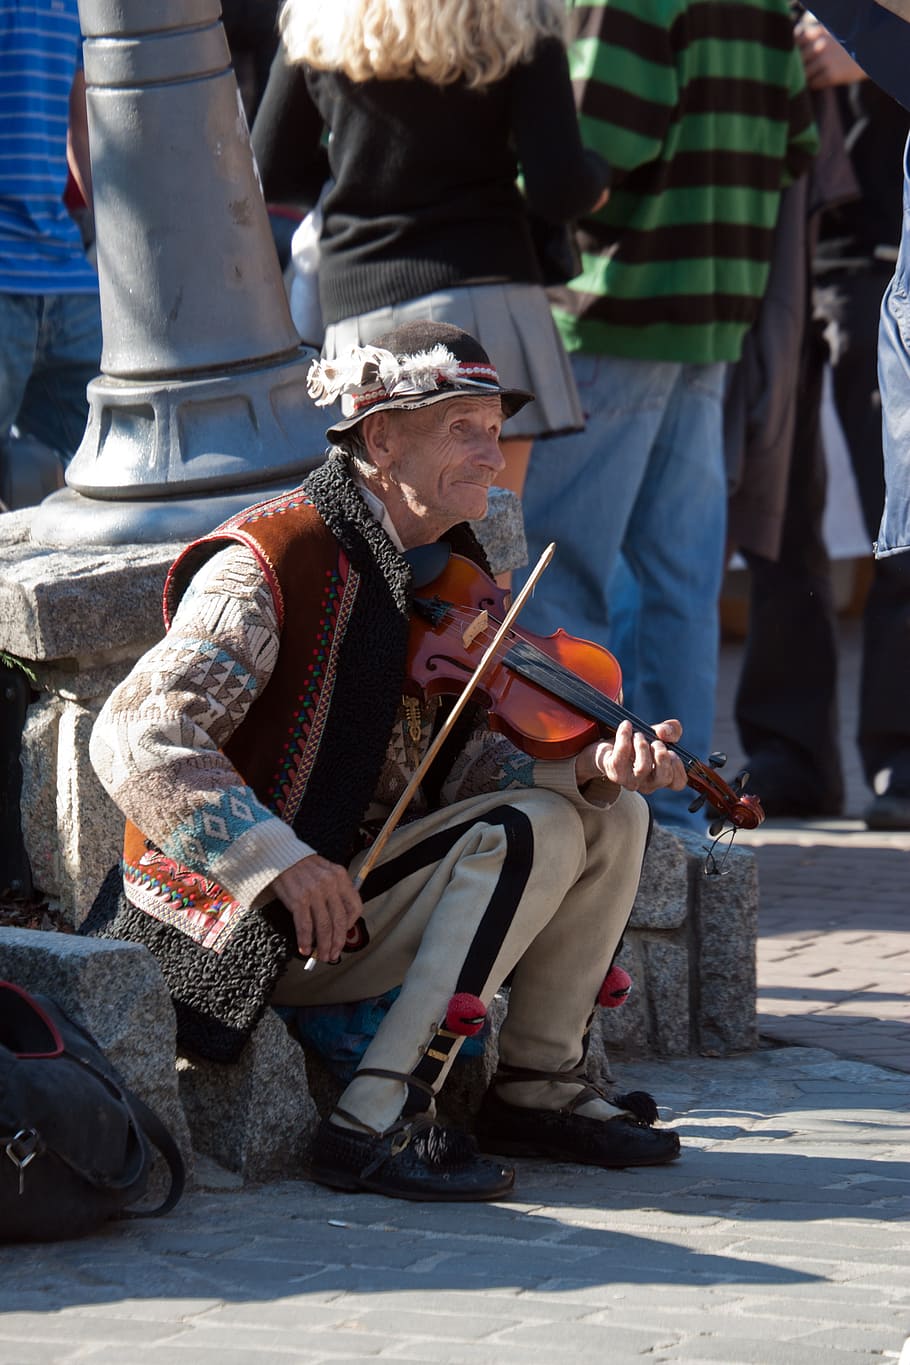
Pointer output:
x,y
880,42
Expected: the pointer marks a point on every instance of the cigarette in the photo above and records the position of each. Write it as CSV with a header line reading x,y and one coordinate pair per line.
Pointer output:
x,y
309,964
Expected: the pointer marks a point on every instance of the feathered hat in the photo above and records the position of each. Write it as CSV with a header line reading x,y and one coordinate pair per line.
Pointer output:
x,y
412,367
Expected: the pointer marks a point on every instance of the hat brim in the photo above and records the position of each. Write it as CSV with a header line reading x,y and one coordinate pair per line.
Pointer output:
x,y
513,400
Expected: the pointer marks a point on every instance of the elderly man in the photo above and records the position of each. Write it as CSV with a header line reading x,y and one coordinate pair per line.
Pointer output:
x,y
258,747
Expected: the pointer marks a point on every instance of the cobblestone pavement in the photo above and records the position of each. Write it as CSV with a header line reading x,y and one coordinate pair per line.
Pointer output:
x,y
780,1236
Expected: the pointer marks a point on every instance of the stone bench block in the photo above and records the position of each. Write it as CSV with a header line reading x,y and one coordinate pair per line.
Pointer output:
x,y
117,992
39,793
724,929
690,950
64,604
666,977
256,1116
662,901
72,829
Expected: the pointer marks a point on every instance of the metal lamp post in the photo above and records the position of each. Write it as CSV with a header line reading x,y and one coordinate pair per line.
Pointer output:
x,y
201,404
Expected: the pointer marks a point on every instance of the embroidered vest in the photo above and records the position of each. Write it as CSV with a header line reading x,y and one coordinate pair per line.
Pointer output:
x,y
313,744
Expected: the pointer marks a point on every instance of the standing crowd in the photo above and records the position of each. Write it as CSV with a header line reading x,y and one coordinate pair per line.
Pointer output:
x,y
665,222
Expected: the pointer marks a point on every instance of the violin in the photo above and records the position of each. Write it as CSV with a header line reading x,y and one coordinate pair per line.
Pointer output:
x,y
551,695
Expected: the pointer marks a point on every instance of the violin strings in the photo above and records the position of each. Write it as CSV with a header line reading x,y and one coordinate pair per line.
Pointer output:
x,y
577,690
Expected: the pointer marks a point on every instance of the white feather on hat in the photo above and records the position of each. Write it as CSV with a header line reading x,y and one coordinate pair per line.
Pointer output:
x,y
349,373
362,368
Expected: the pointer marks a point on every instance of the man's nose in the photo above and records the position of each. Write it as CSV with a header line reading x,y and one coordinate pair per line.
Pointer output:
x,y
492,454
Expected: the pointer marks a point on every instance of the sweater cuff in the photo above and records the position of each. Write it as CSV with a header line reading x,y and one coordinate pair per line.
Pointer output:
x,y
257,857
558,775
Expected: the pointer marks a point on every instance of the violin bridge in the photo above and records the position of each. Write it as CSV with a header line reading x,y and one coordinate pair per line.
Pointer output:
x,y
477,627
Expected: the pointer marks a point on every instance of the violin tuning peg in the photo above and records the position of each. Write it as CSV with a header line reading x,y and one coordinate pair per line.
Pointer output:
x,y
717,759
696,804
717,827
740,781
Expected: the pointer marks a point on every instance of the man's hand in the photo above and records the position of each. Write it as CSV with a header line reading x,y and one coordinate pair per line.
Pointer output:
x,y
324,904
630,761
824,60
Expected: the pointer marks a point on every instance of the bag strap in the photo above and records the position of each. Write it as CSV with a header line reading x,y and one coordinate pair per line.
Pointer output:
x,y
145,1121
160,1137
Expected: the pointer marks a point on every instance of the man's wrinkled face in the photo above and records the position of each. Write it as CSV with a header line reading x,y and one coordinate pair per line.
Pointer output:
x,y
443,459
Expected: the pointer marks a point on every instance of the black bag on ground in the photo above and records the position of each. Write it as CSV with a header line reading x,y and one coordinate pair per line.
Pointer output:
x,y
74,1142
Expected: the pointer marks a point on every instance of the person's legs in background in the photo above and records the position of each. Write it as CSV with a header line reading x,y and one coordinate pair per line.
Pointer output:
x,y
19,315
883,734
786,700
580,491
674,552
67,356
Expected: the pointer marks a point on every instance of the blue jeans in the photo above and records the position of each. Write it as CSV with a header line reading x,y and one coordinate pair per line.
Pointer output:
x,y
894,387
50,347
643,486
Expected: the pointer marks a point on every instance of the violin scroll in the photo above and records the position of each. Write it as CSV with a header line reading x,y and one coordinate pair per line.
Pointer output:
x,y
731,802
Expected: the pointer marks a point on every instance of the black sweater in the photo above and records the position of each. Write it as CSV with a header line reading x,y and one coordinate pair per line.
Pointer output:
x,y
425,193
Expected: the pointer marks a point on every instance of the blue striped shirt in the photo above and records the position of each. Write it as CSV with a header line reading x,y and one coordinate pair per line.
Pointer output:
x,y
40,244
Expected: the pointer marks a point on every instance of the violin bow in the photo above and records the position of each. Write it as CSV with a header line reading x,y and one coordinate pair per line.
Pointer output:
x,y
404,800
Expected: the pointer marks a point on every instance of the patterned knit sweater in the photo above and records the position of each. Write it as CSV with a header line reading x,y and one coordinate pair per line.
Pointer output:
x,y
701,109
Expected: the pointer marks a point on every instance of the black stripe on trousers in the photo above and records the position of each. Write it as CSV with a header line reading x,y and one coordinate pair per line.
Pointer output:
x,y
497,917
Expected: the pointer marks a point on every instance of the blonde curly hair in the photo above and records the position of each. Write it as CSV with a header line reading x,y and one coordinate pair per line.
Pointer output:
x,y
438,40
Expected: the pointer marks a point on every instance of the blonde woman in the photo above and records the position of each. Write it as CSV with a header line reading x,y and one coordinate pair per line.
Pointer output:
x,y
433,108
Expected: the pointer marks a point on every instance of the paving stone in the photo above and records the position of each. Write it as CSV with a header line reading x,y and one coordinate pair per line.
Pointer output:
x,y
149,1310
492,1303
14,1352
504,1353
251,1354
314,1341
734,1350
53,1327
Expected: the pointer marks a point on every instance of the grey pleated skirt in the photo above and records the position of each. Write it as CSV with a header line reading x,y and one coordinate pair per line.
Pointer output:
x,y
514,325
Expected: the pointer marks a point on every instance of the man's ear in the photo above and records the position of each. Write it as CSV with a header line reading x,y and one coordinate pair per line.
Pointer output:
x,y
377,437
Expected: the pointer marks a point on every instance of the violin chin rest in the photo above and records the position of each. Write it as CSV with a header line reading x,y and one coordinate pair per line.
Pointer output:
x,y
427,562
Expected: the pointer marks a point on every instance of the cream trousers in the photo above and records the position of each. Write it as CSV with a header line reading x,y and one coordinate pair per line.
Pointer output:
x,y
522,880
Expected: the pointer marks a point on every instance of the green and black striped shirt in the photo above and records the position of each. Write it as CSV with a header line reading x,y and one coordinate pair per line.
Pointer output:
x,y
701,108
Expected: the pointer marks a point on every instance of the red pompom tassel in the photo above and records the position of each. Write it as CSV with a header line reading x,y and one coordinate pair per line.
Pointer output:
x,y
615,989
465,1014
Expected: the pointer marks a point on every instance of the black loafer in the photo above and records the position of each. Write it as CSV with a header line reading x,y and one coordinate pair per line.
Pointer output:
x,y
563,1136
415,1160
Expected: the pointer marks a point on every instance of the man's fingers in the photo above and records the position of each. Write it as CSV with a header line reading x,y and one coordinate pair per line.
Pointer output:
x,y
303,929
670,731
643,761
668,768
324,904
